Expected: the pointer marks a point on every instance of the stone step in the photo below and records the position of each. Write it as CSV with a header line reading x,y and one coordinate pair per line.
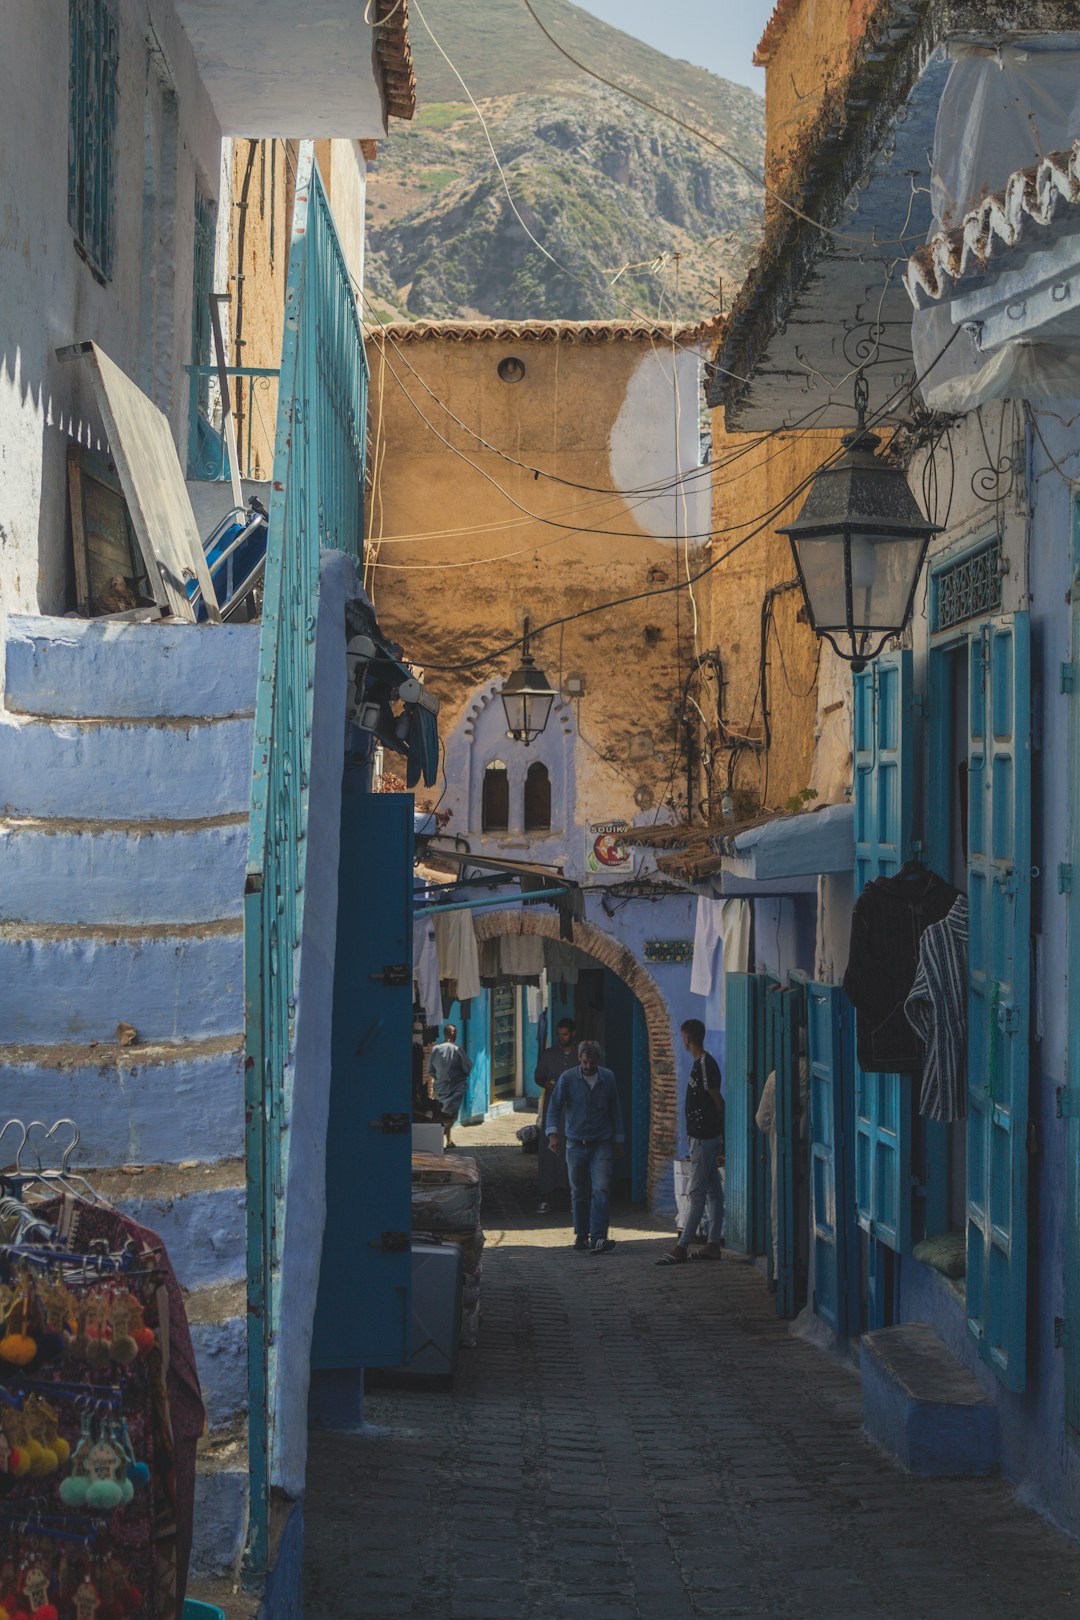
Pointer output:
x,y
218,1321
221,1505
923,1407
85,667
143,1104
105,770
198,1211
78,982
122,872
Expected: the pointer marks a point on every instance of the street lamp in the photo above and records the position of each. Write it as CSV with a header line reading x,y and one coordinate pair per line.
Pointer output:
x,y
858,544
527,697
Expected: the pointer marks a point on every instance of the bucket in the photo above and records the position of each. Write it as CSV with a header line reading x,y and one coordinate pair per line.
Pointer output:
x,y
194,1610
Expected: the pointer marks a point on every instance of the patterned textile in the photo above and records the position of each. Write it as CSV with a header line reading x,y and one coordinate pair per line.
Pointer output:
x,y
937,1010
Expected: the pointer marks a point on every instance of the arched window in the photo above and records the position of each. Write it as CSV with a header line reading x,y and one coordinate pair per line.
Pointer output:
x,y
496,798
537,798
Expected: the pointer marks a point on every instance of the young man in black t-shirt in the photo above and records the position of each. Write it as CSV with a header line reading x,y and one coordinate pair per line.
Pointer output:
x,y
705,1133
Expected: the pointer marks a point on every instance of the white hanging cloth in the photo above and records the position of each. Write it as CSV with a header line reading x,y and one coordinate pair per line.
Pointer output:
x,y
426,969
455,939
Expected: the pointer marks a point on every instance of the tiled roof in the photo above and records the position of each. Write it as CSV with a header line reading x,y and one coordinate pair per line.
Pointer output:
x,y
774,28
545,331
395,57
1012,218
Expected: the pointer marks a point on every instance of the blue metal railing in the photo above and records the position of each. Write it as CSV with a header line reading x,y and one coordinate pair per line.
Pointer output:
x,y
317,501
251,386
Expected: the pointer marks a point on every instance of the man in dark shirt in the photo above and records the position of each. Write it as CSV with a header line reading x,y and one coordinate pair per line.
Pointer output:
x,y
554,1061
585,1107
705,1134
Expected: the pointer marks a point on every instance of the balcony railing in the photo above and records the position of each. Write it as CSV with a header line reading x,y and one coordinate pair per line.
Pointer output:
x,y
253,394
317,501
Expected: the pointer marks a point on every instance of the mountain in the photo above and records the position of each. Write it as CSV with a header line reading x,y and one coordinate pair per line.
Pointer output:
x,y
641,217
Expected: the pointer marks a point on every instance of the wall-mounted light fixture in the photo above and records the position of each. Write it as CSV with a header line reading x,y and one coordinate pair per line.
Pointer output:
x,y
859,543
527,696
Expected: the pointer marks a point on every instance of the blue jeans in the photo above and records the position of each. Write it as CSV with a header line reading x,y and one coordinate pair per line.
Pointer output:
x,y
704,1187
590,1168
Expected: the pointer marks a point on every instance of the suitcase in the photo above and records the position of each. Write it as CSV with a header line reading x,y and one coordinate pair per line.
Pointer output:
x,y
436,1309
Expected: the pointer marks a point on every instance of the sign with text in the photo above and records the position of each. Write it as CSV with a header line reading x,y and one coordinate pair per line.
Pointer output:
x,y
606,849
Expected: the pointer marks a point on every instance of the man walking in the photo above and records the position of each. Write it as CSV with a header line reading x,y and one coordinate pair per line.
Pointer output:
x,y
705,1134
449,1066
585,1106
554,1061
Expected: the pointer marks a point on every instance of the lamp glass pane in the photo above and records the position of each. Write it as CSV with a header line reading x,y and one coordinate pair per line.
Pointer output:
x,y
514,704
537,709
822,564
883,569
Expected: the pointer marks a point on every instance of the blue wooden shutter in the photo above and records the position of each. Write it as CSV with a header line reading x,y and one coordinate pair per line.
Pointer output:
x,y
740,1132
833,1226
362,1315
884,735
999,901
788,1008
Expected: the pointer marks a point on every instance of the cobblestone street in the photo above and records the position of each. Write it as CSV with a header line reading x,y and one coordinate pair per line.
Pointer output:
x,y
628,1443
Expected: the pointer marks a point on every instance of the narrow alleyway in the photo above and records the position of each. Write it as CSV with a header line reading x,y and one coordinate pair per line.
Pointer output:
x,y
629,1443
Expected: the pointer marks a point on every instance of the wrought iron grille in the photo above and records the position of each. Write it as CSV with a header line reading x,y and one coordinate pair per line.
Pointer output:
x,y
317,502
968,588
93,36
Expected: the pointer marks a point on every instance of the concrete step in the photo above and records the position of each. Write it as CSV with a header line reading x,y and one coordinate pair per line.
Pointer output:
x,y
150,1103
79,982
105,770
218,1321
923,1407
122,871
198,1211
84,667
221,1504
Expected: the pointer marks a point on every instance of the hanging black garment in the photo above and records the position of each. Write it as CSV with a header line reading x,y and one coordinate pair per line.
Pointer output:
x,y
887,925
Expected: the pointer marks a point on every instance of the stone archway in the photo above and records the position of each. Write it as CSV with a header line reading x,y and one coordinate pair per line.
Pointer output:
x,y
610,954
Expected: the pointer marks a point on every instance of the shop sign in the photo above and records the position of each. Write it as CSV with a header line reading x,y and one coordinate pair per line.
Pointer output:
x,y
606,849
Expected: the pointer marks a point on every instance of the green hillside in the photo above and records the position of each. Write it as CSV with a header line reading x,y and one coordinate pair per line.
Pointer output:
x,y
641,216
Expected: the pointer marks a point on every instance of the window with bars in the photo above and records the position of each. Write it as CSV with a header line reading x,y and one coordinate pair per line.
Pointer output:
x,y
202,287
94,45
970,587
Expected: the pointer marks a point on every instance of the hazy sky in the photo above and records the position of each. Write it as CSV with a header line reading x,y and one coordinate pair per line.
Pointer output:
x,y
716,34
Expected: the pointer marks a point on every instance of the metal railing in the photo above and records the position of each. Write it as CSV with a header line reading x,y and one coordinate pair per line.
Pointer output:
x,y
317,501
254,415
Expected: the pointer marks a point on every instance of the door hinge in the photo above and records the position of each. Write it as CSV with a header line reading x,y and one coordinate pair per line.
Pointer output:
x,y
391,1124
392,1242
1064,877
1006,881
1068,677
1008,1017
395,977
1066,1103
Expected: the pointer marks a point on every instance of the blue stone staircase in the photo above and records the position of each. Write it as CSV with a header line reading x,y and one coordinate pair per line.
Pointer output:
x,y
923,1407
125,765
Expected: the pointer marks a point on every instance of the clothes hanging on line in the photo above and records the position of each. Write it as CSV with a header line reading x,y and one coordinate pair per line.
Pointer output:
x,y
724,924
887,925
561,961
455,941
521,956
937,1009
426,969
706,939
734,944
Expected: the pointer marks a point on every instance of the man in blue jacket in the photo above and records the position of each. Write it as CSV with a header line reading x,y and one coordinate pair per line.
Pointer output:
x,y
585,1107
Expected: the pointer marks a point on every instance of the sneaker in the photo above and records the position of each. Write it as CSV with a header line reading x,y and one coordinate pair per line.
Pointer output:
x,y
543,1207
581,1244
602,1245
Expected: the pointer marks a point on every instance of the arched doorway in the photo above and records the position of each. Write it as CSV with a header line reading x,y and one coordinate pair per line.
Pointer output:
x,y
610,954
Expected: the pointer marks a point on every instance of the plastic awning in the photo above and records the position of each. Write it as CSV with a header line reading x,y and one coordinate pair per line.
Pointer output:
x,y
788,855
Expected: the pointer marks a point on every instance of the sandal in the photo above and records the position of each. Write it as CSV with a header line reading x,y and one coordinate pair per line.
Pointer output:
x,y
674,1257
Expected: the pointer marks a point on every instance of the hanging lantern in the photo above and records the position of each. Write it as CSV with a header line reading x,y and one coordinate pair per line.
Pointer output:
x,y
527,697
859,543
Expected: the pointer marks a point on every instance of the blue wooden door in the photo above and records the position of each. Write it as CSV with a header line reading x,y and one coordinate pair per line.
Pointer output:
x,y
883,747
788,1008
833,1223
740,1103
999,902
363,1311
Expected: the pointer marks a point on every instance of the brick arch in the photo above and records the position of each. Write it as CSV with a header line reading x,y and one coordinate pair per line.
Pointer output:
x,y
610,954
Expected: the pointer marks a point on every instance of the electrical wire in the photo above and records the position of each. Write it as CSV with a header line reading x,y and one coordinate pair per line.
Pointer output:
x,y
382,22
699,134
904,392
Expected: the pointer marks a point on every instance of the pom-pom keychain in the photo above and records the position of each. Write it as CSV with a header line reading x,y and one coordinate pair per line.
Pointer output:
x,y
18,1348
87,1603
98,1328
125,1315
73,1489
